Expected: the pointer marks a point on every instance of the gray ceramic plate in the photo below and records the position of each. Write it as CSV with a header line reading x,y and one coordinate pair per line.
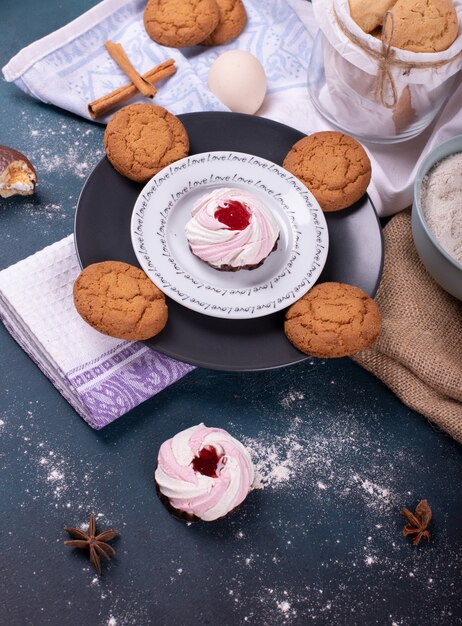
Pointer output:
x,y
102,232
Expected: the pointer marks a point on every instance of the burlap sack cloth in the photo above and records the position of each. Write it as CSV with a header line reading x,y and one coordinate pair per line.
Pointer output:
x,y
419,351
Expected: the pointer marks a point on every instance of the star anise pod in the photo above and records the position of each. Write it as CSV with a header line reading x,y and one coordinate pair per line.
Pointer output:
x,y
418,522
96,544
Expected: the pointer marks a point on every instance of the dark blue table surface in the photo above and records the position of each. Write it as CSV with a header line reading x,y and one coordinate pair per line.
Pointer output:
x,y
339,454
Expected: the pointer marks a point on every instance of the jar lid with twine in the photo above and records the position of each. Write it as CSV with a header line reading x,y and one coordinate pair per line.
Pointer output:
x,y
390,66
386,57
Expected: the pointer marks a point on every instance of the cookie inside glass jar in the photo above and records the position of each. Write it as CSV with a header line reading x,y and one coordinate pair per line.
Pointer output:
x,y
415,25
376,76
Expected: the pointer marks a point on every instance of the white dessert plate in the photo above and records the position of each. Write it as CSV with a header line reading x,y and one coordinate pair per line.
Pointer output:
x,y
164,206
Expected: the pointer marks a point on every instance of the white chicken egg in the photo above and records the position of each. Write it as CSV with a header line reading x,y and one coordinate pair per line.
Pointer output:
x,y
238,79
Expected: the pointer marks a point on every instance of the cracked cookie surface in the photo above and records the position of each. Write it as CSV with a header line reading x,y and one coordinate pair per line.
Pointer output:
x,y
333,320
233,18
423,25
180,23
369,15
141,139
334,167
119,300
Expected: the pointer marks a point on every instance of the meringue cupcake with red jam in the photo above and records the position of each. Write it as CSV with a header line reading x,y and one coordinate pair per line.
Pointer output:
x,y
203,473
231,229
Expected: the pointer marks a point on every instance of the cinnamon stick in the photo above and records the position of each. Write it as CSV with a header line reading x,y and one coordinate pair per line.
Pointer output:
x,y
110,101
120,57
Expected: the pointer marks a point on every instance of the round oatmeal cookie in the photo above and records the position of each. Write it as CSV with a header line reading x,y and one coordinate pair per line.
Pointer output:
x,y
119,300
179,24
423,26
333,320
334,167
233,18
141,139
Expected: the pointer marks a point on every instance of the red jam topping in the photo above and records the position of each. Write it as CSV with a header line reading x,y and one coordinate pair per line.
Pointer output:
x,y
208,462
233,214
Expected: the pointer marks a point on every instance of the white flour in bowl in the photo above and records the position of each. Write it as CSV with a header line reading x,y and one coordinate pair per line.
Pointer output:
x,y
441,202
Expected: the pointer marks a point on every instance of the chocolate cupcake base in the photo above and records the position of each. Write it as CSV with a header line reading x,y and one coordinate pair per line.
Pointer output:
x,y
184,515
231,268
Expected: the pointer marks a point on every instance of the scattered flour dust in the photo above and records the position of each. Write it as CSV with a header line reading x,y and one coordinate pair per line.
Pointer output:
x,y
273,466
65,148
127,611
376,492
283,606
321,459
291,398
319,463
274,607
59,152
66,483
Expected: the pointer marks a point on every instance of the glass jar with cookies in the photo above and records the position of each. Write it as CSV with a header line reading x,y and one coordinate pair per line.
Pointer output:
x,y
382,69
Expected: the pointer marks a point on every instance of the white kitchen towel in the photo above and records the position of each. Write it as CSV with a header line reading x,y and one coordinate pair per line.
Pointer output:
x,y
71,67
101,377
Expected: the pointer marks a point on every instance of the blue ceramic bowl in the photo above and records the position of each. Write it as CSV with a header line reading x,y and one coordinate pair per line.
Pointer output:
x,y
445,270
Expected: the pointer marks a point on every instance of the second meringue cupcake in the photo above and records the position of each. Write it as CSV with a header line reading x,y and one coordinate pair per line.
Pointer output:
x,y
203,473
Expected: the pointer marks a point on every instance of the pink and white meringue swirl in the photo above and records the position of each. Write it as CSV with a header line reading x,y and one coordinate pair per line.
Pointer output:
x,y
217,244
203,496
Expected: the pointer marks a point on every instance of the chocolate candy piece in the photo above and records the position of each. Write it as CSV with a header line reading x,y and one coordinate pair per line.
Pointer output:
x,y
17,174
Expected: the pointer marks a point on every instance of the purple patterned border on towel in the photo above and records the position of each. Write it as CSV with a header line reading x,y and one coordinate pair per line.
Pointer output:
x,y
122,381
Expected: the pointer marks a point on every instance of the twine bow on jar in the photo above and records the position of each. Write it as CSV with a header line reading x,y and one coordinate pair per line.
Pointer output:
x,y
385,88
385,83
